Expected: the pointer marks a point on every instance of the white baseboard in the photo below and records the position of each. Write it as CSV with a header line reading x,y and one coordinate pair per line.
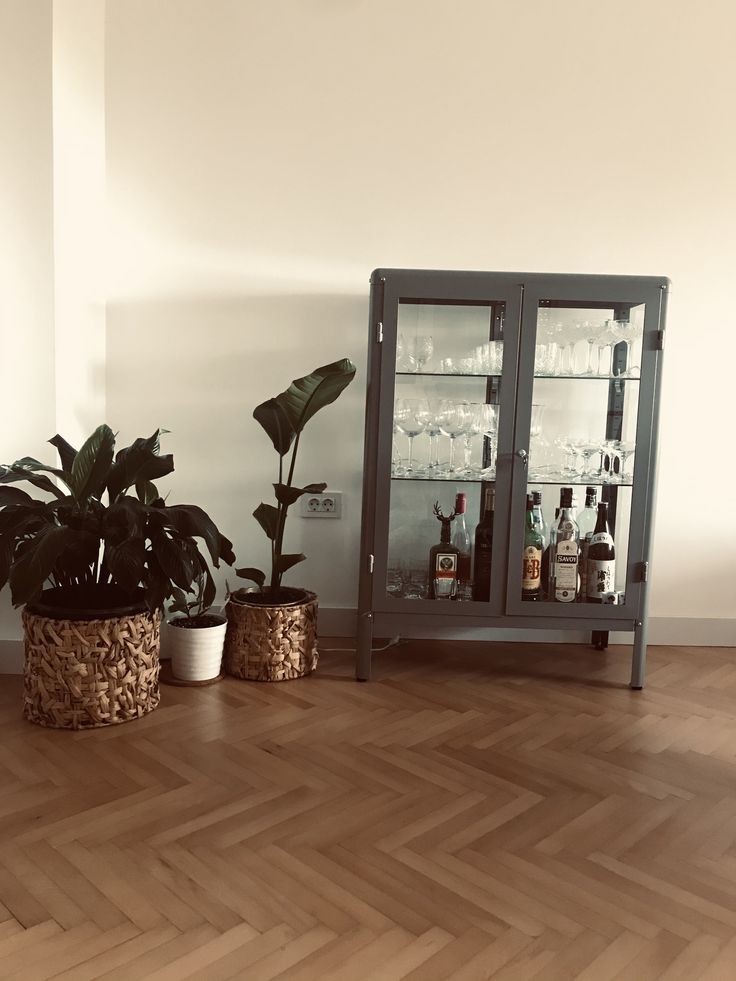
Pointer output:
x,y
333,622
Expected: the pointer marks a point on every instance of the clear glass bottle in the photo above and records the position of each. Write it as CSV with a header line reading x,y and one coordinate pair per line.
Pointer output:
x,y
461,541
539,521
567,551
601,572
586,523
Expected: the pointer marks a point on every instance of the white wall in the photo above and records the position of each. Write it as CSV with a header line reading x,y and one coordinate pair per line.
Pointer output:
x,y
27,385
262,159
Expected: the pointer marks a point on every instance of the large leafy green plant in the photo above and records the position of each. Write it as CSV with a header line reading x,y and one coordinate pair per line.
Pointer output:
x,y
94,532
284,418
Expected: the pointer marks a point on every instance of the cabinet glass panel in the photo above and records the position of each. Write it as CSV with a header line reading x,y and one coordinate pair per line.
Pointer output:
x,y
585,403
449,360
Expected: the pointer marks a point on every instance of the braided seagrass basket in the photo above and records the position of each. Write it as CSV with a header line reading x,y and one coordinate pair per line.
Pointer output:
x,y
83,674
271,643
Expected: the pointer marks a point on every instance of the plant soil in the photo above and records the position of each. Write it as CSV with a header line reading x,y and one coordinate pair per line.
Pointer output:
x,y
205,620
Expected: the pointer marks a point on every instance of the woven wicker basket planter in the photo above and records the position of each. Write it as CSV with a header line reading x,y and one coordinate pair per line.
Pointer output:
x,y
271,643
83,674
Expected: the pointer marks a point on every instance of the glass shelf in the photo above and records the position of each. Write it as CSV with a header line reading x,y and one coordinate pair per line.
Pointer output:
x,y
558,480
605,378
445,374
450,478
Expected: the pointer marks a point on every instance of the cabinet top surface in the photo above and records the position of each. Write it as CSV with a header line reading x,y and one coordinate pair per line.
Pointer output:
x,y
522,278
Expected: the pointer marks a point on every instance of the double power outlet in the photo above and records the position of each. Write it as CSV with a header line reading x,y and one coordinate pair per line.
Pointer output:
x,y
325,505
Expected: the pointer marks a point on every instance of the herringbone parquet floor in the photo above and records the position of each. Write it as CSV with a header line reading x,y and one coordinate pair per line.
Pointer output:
x,y
506,812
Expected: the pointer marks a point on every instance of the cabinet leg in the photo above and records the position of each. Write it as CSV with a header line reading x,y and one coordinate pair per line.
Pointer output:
x,y
639,658
599,640
364,642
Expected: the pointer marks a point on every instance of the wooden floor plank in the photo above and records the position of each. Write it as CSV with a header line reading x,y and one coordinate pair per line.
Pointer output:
x,y
478,811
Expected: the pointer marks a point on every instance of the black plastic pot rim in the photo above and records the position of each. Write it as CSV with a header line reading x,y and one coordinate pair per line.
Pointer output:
x,y
73,603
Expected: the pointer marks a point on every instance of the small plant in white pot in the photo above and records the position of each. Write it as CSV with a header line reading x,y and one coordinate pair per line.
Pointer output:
x,y
196,638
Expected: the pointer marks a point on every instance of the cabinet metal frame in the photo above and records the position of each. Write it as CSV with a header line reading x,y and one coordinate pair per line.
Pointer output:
x,y
521,293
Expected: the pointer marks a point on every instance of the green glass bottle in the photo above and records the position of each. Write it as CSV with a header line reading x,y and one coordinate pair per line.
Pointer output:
x,y
531,573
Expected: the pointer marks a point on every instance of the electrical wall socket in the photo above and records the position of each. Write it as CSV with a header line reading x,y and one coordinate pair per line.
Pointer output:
x,y
325,505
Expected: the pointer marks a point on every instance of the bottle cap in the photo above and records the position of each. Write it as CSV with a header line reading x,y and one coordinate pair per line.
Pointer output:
x,y
460,504
590,495
537,497
566,497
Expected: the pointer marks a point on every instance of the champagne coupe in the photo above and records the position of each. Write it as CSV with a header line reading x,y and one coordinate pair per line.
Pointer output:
x,y
625,450
569,448
419,350
453,420
587,448
411,416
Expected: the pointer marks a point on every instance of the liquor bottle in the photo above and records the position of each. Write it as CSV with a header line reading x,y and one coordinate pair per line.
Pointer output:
x,y
601,572
539,522
586,524
548,560
531,574
461,541
567,551
443,562
484,548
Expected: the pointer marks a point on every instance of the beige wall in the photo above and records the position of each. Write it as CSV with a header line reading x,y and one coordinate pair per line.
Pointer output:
x,y
263,158
27,384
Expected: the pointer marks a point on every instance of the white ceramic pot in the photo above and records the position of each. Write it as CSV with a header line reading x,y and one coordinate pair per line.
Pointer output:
x,y
196,651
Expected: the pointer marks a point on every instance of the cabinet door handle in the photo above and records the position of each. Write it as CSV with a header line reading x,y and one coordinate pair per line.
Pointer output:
x,y
523,456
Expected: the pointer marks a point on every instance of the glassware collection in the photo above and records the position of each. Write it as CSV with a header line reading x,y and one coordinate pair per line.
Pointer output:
x,y
586,348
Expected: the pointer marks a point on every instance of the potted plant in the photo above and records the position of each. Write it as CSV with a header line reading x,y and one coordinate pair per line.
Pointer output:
x,y
271,634
196,639
92,564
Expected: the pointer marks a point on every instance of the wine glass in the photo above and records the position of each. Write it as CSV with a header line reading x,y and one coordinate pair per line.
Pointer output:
x,y
630,334
625,450
411,416
419,350
433,430
453,421
592,336
488,426
475,427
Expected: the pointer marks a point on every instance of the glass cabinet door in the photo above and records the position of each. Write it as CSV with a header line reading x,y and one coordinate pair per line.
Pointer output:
x,y
583,429
448,379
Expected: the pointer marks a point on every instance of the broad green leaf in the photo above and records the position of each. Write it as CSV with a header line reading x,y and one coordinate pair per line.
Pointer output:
x,y
126,561
92,464
190,520
14,474
174,560
14,495
209,590
30,572
66,452
255,575
28,463
276,422
306,396
267,517
124,519
146,491
287,495
285,562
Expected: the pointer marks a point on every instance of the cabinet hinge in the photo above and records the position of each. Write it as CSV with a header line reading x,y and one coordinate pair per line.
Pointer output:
x,y
660,341
370,565
379,333
643,572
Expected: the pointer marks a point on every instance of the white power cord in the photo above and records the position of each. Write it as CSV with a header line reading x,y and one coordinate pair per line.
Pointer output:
x,y
351,650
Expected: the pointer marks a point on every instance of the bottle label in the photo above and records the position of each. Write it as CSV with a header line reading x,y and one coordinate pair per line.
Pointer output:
x,y
566,570
601,577
603,538
445,565
531,575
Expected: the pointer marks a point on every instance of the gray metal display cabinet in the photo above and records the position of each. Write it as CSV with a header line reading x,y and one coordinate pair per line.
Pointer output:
x,y
572,364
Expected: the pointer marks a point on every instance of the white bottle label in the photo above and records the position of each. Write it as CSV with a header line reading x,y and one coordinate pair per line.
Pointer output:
x,y
603,537
601,577
566,570
531,569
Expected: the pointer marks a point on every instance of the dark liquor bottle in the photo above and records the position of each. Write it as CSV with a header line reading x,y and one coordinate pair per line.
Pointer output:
x,y
484,549
539,522
443,561
531,573
586,523
601,571
548,560
567,551
461,540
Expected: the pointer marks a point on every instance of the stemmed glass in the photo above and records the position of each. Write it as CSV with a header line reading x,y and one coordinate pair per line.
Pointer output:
x,y
629,334
453,420
624,450
433,430
411,417
488,426
419,350
569,448
587,449
475,427
592,336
